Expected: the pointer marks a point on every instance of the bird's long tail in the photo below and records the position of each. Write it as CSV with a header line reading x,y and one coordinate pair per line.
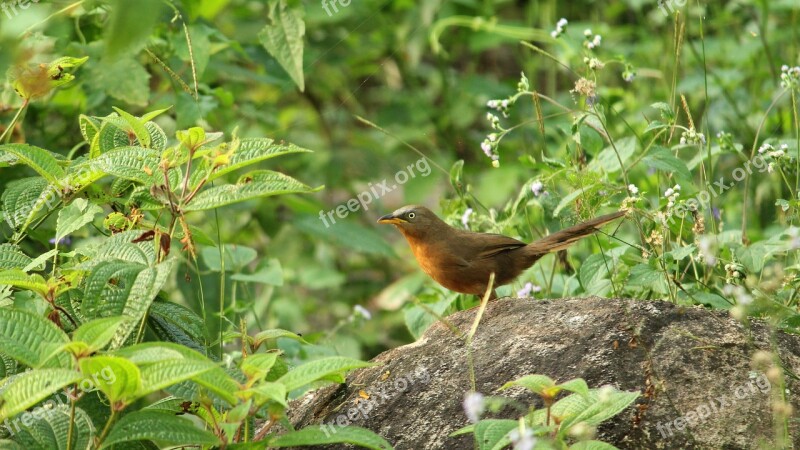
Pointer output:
x,y
566,237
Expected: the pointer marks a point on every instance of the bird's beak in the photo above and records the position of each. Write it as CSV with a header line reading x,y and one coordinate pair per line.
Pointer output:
x,y
389,218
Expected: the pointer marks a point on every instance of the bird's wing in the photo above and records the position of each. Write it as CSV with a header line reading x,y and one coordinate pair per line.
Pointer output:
x,y
490,245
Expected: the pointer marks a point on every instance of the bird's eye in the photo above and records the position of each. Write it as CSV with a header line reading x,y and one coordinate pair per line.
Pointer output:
x,y
411,215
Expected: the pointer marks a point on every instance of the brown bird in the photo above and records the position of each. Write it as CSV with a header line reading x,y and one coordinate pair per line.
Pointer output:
x,y
462,260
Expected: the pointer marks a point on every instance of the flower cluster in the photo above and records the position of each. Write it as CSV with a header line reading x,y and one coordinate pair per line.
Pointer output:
x,y
561,27
773,156
790,76
587,88
672,195
725,141
592,40
537,188
691,136
500,105
523,85
734,272
465,218
526,290
631,199
593,63
489,145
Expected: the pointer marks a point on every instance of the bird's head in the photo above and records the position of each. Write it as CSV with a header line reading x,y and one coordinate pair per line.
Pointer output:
x,y
413,220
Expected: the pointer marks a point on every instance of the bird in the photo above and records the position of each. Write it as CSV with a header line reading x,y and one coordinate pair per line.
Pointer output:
x,y
463,260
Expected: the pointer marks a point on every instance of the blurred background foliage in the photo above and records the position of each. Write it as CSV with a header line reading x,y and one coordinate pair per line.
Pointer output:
x,y
424,71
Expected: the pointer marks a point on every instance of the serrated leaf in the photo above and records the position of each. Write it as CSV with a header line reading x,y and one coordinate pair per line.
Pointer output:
x,y
538,384
11,257
74,216
32,339
605,406
489,432
50,428
576,385
89,126
318,369
267,391
257,366
21,200
283,38
254,150
136,126
118,378
28,389
98,333
175,323
38,159
164,428
162,374
317,435
254,185
130,163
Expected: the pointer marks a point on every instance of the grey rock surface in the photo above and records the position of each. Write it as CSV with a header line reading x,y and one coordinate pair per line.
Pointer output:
x,y
692,366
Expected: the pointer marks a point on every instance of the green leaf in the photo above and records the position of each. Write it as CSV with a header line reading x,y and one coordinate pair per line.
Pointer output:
x,y
608,160
320,435
662,159
136,126
11,257
32,339
271,273
576,385
606,405
265,335
123,79
38,159
166,429
257,366
268,391
254,185
129,26
489,432
89,126
98,333
570,197
22,200
538,384
680,253
754,256
49,429
176,323
23,391
236,257
116,377
108,287
19,279
254,150
130,163
162,374
74,216
318,369
713,300
283,38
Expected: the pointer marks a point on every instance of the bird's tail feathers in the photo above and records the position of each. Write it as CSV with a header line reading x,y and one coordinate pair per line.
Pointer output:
x,y
568,236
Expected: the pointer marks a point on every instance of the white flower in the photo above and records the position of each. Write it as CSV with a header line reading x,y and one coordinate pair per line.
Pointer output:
x,y
492,103
492,137
562,23
554,34
587,32
474,406
525,441
363,312
668,192
486,146
504,103
537,187
465,217
633,189
677,187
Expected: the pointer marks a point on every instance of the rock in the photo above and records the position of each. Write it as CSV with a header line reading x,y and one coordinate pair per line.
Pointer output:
x,y
692,366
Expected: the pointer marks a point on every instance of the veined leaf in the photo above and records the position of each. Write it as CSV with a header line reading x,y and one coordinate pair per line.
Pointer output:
x,y
163,374
317,435
11,257
74,216
31,339
98,333
267,391
490,432
130,163
20,200
166,429
136,126
49,429
538,384
265,335
89,126
318,369
172,322
19,279
254,185
662,159
27,389
283,39
108,286
38,159
116,377
253,150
